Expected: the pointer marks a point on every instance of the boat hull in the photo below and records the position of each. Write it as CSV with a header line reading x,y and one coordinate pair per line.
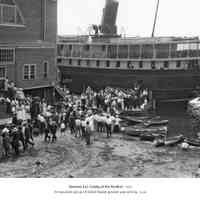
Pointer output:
x,y
165,84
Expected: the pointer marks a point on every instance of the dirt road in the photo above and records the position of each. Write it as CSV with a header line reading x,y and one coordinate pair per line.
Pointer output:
x,y
114,157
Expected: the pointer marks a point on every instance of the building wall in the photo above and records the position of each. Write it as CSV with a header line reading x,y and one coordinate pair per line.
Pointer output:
x,y
35,56
34,43
51,19
33,13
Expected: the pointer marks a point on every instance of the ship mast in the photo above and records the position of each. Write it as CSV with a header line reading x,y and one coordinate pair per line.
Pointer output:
x,y
155,19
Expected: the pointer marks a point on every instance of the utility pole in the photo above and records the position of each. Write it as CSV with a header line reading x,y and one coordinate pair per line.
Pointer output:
x,y
155,19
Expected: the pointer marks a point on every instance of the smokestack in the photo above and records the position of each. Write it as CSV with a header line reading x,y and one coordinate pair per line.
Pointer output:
x,y
108,23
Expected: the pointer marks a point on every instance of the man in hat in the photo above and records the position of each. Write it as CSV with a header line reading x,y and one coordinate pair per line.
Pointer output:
x,y
108,126
15,141
28,135
87,133
21,137
53,131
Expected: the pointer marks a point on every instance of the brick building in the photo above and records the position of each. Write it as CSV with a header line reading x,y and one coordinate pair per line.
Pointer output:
x,y
28,31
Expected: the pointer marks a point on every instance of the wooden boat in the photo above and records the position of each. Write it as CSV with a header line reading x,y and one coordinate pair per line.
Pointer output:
x,y
193,142
174,140
139,112
137,131
156,122
151,137
132,120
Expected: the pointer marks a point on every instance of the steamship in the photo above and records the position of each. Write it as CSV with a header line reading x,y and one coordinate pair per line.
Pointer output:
x,y
169,66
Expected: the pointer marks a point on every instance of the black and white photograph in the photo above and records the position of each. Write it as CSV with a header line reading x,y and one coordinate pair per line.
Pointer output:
x,y
99,89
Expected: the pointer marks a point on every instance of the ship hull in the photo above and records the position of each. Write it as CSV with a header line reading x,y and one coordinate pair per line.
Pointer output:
x,y
165,84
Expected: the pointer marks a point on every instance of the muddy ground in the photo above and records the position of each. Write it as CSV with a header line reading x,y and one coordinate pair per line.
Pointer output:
x,y
115,157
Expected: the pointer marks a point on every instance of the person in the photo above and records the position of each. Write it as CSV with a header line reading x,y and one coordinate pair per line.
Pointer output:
x,y
117,124
197,174
72,123
28,135
6,141
62,128
14,119
42,123
15,141
87,133
108,126
21,137
47,137
53,131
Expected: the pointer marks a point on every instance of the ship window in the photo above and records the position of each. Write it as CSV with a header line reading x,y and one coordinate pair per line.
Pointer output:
x,y
140,64
118,64
153,65
103,47
70,47
178,64
123,51
59,60
88,62
166,64
134,51
79,62
112,51
129,64
97,63
147,51
87,47
162,50
107,63
70,61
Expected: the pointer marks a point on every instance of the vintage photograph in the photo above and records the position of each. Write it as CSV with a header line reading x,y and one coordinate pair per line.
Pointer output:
x,y
99,89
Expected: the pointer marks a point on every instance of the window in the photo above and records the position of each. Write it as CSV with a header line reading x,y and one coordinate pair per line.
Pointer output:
x,y
118,64
87,47
88,62
107,63
2,72
29,72
10,13
70,61
153,65
97,63
103,47
79,62
166,64
46,69
7,56
70,47
59,60
129,64
178,64
140,64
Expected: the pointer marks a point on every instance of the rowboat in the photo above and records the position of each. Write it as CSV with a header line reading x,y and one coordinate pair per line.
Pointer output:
x,y
139,130
150,137
156,122
174,140
132,120
193,142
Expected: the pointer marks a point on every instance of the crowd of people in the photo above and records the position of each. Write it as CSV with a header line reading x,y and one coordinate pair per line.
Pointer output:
x,y
78,115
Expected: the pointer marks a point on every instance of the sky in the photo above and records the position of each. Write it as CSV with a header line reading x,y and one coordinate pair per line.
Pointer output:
x,y
135,17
